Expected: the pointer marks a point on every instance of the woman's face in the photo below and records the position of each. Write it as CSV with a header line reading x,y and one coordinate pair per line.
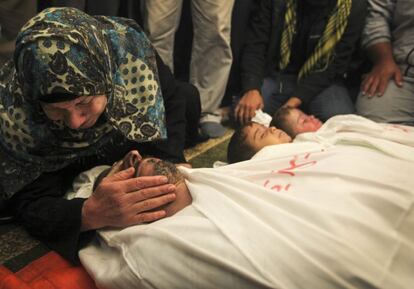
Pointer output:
x,y
79,113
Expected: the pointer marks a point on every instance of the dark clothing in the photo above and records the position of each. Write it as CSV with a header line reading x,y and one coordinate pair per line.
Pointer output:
x,y
261,54
303,46
334,100
56,221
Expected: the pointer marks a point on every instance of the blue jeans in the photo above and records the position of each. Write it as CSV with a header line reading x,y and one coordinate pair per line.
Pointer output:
x,y
334,100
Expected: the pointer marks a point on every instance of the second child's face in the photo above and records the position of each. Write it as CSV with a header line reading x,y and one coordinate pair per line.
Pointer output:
x,y
302,122
259,136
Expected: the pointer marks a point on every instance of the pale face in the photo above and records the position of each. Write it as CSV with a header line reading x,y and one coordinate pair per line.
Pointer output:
x,y
79,113
259,136
302,122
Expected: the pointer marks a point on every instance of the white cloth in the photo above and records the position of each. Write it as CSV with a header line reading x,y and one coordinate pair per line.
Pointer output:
x,y
332,210
262,118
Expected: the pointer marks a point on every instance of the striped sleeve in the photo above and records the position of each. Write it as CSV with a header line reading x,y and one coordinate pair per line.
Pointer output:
x,y
378,22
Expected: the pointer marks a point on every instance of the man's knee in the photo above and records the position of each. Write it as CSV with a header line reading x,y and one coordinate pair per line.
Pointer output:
x,y
396,105
332,101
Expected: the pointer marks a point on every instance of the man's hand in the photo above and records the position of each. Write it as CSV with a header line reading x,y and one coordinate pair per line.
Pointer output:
x,y
385,68
248,104
293,102
375,82
121,200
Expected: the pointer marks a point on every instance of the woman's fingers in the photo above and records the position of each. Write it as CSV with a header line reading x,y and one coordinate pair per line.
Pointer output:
x,y
150,204
125,182
147,217
148,193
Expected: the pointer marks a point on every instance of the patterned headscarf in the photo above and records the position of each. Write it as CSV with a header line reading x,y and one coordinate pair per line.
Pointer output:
x,y
323,53
61,54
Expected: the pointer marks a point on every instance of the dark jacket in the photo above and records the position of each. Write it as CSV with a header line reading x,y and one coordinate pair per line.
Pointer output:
x,y
261,53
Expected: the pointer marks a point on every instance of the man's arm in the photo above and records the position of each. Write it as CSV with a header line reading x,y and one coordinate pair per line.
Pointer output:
x,y
377,41
253,61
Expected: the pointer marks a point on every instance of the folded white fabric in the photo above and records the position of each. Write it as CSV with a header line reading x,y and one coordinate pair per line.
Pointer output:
x,y
318,213
262,117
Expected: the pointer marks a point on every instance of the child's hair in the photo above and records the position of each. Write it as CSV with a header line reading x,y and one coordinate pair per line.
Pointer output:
x,y
280,120
238,150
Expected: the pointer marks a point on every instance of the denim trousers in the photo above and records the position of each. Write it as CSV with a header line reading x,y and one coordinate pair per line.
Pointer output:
x,y
333,100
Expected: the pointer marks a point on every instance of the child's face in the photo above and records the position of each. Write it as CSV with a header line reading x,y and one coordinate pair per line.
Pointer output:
x,y
301,122
259,136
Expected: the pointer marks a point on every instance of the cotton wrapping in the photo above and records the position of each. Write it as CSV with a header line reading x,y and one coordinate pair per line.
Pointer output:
x,y
332,210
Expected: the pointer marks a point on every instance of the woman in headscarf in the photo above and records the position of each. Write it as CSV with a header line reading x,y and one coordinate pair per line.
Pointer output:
x,y
82,91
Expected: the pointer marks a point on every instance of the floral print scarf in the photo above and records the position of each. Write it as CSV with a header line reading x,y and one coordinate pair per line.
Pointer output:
x,y
61,54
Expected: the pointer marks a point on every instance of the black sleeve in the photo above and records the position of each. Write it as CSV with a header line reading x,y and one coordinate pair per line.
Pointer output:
x,y
253,61
42,210
314,83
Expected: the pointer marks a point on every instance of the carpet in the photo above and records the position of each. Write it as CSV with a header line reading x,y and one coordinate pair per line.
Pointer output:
x,y
22,256
50,271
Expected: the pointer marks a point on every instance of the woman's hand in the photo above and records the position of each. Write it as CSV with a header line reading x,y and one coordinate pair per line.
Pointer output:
x,y
121,200
251,101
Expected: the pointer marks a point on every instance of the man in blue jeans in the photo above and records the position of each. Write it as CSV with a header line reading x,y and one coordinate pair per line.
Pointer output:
x,y
297,53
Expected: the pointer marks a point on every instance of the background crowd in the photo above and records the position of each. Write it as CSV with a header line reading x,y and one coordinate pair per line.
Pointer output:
x,y
217,48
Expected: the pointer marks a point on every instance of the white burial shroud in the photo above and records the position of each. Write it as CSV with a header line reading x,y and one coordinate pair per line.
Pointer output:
x,y
334,209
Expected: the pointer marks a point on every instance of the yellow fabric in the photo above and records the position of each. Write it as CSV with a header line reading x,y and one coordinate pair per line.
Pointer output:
x,y
323,52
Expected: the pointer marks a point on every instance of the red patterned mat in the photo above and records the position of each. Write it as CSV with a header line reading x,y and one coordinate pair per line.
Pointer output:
x,y
48,272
